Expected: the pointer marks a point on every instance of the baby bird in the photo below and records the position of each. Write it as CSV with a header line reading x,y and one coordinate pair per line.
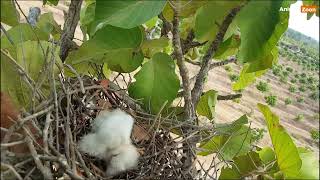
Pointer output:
x,y
110,140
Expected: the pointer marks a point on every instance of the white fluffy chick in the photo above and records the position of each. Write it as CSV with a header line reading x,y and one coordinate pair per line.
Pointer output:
x,y
123,158
110,140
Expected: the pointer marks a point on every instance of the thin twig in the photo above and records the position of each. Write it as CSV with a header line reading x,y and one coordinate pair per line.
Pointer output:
x,y
45,172
78,76
12,169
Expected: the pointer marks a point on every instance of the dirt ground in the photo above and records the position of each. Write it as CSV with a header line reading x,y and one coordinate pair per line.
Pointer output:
x,y
227,110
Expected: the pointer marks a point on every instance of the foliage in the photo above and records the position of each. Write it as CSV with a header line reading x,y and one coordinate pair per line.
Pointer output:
x,y
233,77
299,117
262,86
315,134
302,81
287,101
276,71
300,99
271,100
146,86
314,96
292,89
291,162
293,80
302,89
283,79
289,69
207,103
228,68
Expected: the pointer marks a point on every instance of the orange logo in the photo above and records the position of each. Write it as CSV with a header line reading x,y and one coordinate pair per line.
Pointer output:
x,y
308,8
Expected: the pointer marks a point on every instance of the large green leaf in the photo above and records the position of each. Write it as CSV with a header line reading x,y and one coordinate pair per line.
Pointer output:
x,y
32,60
230,144
225,128
9,14
116,46
187,8
207,103
243,166
227,48
156,83
126,14
209,16
261,25
47,24
13,84
87,14
265,62
31,57
124,60
246,78
288,158
310,164
267,155
22,32
150,47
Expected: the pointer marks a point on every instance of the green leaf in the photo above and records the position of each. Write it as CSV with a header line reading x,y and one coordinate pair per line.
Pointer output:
x,y
265,62
116,46
126,14
156,83
310,164
9,14
224,128
106,71
47,24
22,32
246,78
242,166
286,151
267,155
208,16
150,47
269,24
87,13
230,144
32,60
151,23
14,86
207,103
227,48
124,60
188,9
53,2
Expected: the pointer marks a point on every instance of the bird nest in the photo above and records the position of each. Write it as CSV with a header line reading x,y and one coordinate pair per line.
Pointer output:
x,y
63,119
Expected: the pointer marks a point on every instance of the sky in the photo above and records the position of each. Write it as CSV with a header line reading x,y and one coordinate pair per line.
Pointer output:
x,y
298,21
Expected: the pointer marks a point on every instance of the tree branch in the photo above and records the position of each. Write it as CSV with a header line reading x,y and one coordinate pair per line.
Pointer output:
x,y
189,109
166,26
232,59
228,97
69,28
220,97
205,66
